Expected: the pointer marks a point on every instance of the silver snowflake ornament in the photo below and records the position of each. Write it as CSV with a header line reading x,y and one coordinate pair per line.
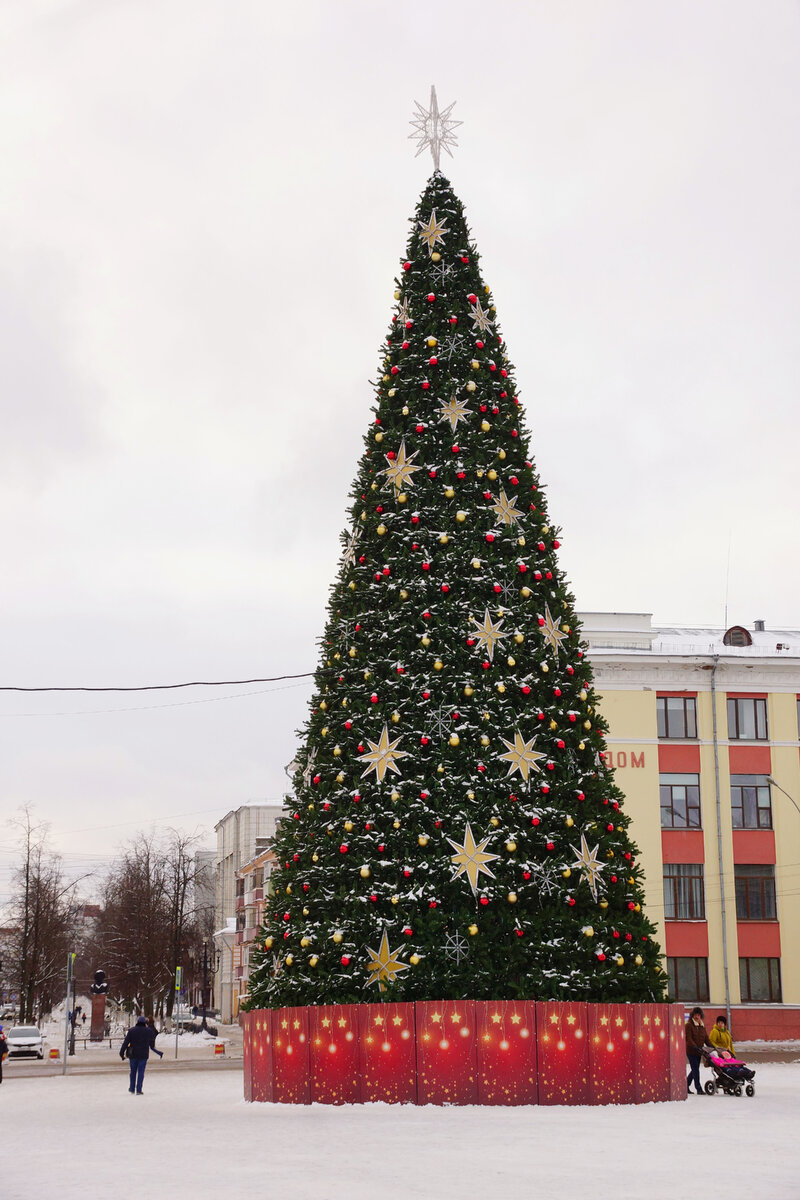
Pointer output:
x,y
455,947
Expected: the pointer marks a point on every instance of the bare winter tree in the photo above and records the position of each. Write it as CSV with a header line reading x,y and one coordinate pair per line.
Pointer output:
x,y
147,921
42,914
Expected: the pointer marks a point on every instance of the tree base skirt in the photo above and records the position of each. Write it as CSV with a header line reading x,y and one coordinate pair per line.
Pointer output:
x,y
466,1052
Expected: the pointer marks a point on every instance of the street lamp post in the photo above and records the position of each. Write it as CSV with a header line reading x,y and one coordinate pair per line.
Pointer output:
x,y
780,789
204,1024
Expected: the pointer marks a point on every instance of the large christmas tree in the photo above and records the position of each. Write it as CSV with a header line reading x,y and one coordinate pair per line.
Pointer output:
x,y
455,831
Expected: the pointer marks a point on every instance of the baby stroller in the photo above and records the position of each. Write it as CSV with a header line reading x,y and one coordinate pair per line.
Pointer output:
x,y
731,1075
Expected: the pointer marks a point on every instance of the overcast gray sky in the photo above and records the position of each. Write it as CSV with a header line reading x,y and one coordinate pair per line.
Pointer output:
x,y
202,209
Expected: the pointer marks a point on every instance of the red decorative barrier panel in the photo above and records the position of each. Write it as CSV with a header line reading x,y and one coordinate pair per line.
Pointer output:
x,y
466,1052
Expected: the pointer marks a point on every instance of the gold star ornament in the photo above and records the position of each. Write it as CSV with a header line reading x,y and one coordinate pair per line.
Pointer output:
x,y
489,633
453,410
588,864
480,318
521,756
381,756
551,632
401,469
506,509
432,232
470,859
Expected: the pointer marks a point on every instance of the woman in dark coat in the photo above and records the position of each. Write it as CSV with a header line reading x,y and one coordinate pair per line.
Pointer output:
x,y
696,1042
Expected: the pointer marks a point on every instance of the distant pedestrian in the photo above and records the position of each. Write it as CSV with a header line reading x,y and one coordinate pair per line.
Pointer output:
x,y
3,1051
151,1029
137,1046
83,1019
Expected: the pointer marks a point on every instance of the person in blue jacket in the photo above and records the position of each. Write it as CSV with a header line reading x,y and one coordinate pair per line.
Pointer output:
x,y
137,1045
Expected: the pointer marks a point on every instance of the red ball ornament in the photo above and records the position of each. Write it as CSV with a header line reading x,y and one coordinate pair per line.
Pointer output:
x,y
526,874
540,546
486,665
519,932
317,778
406,266
615,933
345,960
381,848
571,901
556,544
426,566
631,905
432,904
490,538
522,568
610,827
343,848
526,691
426,695
498,589
408,931
286,935
356,798
400,670
406,345
484,900
481,768
461,474
473,299
557,691
373,698
478,344
431,297
426,616
465,258
544,788
514,480
409,324
420,428
432,362
445,588
423,741
432,474
581,796
373,898
425,385
287,916
560,744
306,887
455,449
407,873
454,320
551,845
415,521
573,718
613,879
628,937
601,957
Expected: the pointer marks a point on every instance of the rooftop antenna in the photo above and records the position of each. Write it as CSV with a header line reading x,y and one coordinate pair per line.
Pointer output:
x,y
434,129
727,579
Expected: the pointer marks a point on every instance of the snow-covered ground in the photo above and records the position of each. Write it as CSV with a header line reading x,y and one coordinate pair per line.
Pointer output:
x,y
192,1135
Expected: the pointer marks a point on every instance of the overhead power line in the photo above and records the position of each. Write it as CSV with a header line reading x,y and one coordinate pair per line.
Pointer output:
x,y
159,687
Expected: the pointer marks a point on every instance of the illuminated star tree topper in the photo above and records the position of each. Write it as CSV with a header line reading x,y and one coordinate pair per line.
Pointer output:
x,y
434,129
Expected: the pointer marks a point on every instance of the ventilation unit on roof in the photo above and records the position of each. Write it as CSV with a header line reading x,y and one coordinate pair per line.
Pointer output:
x,y
758,626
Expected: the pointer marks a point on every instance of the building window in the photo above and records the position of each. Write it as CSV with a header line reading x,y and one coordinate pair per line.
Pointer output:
x,y
677,716
798,718
760,980
751,804
684,894
687,978
755,892
747,719
680,801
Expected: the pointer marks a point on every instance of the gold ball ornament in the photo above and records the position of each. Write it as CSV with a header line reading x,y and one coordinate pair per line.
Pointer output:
x,y
365,872
435,257
379,436
437,666
484,739
289,960
395,796
305,912
305,941
405,410
620,961
402,498
588,931
512,897
485,426
512,662
288,889
397,295
455,740
423,839
568,821
323,705
511,846
324,731
476,562
391,393
426,641
315,858
449,493
553,724
519,638
471,385
337,937
638,960
475,364
268,942
395,824
461,515
501,687
403,594
604,904
337,751
473,929
526,591
470,795
468,691
545,668
492,474
566,873
494,821
395,718
501,454
520,541
432,341
395,899
443,539
414,959
582,693
312,962
348,825
381,530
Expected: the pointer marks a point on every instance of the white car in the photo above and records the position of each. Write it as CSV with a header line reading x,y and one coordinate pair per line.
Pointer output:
x,y
25,1039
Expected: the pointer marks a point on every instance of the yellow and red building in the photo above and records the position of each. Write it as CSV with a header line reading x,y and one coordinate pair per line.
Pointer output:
x,y
705,741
